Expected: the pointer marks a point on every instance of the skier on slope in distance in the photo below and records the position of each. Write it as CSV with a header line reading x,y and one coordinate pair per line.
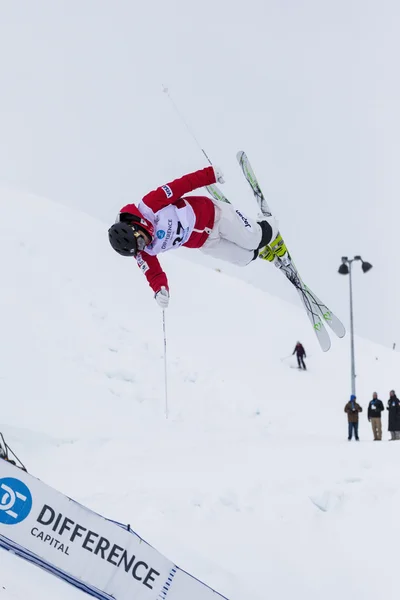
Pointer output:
x,y
165,219
301,355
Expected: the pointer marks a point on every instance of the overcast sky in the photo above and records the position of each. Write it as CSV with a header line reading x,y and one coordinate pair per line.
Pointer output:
x,y
310,88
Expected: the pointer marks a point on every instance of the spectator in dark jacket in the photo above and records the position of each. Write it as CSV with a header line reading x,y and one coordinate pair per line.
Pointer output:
x,y
301,355
375,408
352,409
393,407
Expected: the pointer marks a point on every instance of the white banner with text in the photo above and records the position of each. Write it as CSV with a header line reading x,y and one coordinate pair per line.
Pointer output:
x,y
99,556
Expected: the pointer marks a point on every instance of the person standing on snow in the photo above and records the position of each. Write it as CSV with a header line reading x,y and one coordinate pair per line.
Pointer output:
x,y
352,409
393,407
301,355
375,408
166,219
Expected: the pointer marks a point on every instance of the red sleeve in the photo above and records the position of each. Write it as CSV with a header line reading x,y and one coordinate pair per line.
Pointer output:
x,y
170,192
151,267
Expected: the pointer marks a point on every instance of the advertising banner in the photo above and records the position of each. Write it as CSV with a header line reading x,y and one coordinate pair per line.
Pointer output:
x,y
91,552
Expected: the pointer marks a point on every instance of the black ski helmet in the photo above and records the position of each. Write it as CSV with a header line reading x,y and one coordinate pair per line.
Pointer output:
x,y
131,232
126,240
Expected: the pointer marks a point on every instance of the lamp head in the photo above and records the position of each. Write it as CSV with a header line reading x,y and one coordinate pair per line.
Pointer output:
x,y
344,269
366,266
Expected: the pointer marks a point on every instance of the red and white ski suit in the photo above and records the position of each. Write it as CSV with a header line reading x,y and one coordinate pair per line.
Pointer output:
x,y
195,222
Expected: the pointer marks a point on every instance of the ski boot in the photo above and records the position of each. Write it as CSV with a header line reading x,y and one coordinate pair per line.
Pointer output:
x,y
272,245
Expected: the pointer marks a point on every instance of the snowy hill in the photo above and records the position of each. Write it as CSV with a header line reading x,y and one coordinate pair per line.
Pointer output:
x,y
250,484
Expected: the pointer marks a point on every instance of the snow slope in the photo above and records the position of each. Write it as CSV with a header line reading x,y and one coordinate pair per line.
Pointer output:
x,y
250,484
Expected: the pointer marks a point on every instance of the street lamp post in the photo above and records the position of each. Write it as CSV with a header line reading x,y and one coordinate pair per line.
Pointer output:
x,y
346,269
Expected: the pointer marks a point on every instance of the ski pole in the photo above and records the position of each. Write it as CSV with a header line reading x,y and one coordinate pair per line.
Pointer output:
x,y
165,366
182,118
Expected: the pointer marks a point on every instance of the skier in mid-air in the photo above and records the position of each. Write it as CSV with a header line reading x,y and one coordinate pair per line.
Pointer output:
x,y
165,219
301,355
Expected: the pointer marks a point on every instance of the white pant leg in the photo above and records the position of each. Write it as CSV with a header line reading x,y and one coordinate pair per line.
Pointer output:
x,y
234,236
228,251
234,226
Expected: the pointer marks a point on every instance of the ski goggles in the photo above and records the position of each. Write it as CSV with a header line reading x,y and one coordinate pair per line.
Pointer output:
x,y
140,241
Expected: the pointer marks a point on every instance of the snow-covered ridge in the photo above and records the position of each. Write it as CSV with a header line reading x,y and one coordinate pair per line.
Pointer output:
x,y
251,478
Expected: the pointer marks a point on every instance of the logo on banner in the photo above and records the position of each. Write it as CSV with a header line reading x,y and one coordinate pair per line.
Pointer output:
x,y
15,501
71,534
